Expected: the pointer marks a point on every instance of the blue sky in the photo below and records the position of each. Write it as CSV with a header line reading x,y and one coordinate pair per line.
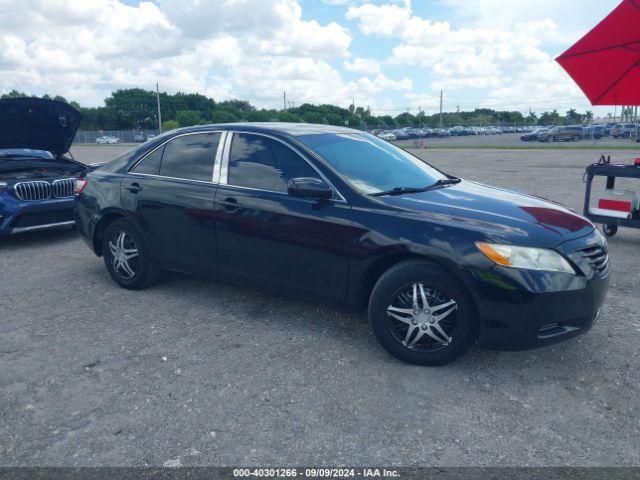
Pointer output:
x,y
391,55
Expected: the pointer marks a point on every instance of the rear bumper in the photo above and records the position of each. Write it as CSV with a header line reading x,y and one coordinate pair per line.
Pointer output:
x,y
19,217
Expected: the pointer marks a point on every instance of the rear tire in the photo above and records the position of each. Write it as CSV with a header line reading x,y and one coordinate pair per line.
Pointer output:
x,y
127,258
418,338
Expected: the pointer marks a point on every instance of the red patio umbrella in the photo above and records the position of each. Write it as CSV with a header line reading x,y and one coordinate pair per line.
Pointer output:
x,y
605,63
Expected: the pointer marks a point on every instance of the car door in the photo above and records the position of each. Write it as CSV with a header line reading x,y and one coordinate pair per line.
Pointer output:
x,y
268,238
170,195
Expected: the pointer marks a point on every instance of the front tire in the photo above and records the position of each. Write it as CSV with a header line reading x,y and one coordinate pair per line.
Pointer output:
x,y
422,315
127,257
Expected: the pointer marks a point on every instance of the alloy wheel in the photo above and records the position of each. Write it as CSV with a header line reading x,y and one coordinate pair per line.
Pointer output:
x,y
423,318
124,255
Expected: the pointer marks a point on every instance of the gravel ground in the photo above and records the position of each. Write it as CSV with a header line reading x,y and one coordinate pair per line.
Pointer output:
x,y
201,373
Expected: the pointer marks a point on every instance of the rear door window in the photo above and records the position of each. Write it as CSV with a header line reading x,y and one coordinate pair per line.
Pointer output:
x,y
150,165
190,157
265,164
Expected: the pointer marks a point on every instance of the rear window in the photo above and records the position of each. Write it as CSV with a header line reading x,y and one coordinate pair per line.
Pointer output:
x,y
190,157
151,163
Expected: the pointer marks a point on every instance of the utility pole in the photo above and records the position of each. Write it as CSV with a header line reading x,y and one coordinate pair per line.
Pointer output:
x,y
159,112
441,94
284,100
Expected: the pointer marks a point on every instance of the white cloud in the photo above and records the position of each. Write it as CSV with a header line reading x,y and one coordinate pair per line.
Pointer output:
x,y
385,20
494,52
576,18
83,50
504,61
363,65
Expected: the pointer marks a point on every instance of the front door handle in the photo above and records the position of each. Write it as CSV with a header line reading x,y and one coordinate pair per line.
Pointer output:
x,y
229,204
134,188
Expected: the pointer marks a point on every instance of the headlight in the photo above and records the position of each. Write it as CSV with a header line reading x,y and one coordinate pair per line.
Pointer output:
x,y
525,258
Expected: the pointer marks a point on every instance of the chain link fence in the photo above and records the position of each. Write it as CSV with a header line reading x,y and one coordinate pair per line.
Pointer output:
x,y
113,136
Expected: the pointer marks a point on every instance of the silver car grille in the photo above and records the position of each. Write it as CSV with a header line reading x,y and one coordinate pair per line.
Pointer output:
x,y
33,190
64,188
41,190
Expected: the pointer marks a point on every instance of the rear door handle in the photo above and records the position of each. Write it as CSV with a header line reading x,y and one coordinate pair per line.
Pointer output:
x,y
229,204
134,188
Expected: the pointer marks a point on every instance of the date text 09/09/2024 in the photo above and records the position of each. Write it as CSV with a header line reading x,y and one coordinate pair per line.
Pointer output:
x,y
315,473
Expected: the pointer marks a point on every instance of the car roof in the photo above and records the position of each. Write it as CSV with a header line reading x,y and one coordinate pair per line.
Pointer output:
x,y
292,129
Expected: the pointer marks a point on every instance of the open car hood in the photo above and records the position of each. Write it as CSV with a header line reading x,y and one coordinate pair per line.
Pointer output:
x,y
38,124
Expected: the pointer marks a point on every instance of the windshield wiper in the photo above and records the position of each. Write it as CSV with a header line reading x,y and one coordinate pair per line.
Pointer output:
x,y
402,190
399,191
447,181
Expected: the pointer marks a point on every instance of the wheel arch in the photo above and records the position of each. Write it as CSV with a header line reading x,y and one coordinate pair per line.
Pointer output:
x,y
377,268
98,232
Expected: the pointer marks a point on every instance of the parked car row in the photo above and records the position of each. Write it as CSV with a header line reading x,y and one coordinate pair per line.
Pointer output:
x,y
575,133
457,131
137,138
107,140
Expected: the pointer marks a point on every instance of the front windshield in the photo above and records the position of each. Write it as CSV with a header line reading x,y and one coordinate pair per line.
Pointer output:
x,y
25,152
372,165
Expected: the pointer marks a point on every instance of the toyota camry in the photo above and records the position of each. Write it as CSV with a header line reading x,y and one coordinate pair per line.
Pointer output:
x,y
341,216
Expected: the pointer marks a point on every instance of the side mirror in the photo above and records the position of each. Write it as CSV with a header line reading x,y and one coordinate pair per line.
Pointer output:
x,y
309,188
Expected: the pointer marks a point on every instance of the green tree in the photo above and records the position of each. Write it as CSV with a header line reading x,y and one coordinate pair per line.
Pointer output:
x,y
405,119
135,108
334,119
170,125
355,122
187,118
551,118
288,117
574,117
224,116
313,117
387,121
259,116
14,94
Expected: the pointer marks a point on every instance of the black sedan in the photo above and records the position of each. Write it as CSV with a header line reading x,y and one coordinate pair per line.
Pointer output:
x,y
344,217
531,136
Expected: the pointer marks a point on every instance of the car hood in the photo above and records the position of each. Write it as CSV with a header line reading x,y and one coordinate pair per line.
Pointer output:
x,y
38,124
501,214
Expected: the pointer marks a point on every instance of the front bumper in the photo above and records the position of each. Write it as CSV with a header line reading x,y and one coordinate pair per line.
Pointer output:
x,y
519,310
19,217
543,319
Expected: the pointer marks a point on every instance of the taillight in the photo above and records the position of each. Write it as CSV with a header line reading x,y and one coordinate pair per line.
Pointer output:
x,y
81,184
